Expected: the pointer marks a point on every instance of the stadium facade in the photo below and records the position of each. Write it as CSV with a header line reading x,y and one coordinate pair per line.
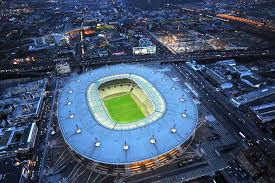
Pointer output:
x,y
123,148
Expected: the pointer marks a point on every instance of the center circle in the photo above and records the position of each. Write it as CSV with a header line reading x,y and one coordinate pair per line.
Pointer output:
x,y
124,102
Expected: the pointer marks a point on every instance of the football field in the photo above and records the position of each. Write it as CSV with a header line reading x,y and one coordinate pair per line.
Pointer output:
x,y
123,109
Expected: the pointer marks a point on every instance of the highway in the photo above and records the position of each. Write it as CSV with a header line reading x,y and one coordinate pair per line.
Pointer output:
x,y
166,58
232,118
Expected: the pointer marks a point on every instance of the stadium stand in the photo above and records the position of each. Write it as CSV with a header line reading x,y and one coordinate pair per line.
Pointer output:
x,y
123,86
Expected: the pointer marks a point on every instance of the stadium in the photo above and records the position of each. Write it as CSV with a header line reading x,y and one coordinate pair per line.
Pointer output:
x,y
126,119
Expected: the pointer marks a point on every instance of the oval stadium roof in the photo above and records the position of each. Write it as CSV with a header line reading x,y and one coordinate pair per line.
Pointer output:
x,y
95,142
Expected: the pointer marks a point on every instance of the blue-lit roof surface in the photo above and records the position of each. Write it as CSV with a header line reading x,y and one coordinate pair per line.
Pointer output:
x,y
73,111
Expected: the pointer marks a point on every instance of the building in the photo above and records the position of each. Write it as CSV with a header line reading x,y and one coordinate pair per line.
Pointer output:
x,y
115,148
230,62
21,107
63,68
253,96
118,50
23,102
49,41
227,85
253,81
145,47
103,53
17,139
22,88
216,75
144,50
197,67
265,112
242,70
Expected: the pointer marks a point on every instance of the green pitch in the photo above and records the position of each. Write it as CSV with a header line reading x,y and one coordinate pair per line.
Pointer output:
x,y
123,109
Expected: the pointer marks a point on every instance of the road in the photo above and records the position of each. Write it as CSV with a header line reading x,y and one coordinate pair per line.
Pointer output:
x,y
45,152
168,58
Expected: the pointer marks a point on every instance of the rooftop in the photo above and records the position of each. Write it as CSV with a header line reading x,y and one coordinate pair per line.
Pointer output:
x,y
96,142
266,112
253,95
17,138
23,101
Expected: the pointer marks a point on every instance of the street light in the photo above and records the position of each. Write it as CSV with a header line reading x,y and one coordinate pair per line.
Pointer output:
x,y
153,140
78,130
97,142
184,114
125,147
174,130
71,115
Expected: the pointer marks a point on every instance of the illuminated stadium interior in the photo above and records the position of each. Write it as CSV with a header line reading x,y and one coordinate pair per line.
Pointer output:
x,y
125,101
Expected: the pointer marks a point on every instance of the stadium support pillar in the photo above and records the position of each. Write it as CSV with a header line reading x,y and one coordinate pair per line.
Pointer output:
x,y
94,166
127,170
157,162
180,150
